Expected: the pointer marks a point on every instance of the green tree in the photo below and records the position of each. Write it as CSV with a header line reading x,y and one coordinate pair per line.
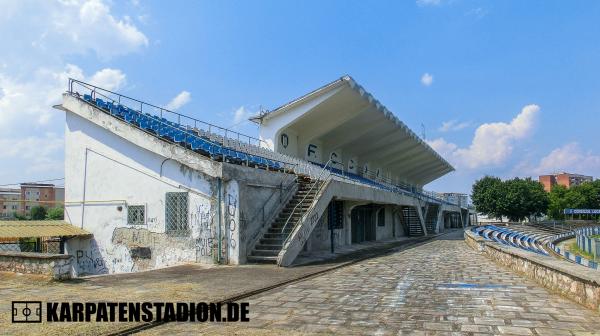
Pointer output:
x,y
486,194
55,214
38,213
523,198
557,202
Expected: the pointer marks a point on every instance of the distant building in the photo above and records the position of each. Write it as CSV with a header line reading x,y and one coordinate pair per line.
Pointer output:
x,y
9,202
456,198
564,179
35,194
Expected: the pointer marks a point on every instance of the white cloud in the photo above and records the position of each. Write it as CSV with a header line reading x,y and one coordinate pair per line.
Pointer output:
x,y
30,102
570,158
453,125
429,2
427,79
39,151
492,144
49,30
478,13
34,72
241,114
110,79
181,99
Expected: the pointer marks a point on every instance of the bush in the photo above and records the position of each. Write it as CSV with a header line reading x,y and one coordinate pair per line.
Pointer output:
x,y
55,214
38,213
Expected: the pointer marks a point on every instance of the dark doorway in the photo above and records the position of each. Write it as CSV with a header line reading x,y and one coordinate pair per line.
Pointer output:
x,y
363,223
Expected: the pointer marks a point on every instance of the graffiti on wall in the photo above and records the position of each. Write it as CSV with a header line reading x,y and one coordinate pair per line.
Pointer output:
x,y
90,261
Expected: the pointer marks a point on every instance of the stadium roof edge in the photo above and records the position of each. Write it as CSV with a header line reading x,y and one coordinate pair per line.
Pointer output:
x,y
348,80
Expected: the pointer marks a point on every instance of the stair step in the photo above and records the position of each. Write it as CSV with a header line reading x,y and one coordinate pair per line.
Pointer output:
x,y
265,253
262,259
277,235
268,247
272,239
277,231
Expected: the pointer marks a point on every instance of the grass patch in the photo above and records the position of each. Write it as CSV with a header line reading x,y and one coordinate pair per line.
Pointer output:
x,y
574,248
597,236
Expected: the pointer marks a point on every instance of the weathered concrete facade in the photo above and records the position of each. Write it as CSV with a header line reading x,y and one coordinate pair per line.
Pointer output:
x,y
112,167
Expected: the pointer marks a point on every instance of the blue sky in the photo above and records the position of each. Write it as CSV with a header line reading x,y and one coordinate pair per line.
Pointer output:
x,y
507,88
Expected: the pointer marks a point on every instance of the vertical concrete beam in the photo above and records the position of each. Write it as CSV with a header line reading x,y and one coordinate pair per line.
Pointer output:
x,y
439,225
421,219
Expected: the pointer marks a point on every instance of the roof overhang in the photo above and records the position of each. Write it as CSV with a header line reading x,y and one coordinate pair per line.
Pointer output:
x,y
343,115
40,228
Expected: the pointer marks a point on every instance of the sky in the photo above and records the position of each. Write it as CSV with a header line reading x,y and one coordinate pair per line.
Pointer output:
x,y
502,88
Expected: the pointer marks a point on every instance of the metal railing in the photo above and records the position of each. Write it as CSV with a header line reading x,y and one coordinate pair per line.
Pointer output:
x,y
286,186
316,182
223,140
161,111
245,143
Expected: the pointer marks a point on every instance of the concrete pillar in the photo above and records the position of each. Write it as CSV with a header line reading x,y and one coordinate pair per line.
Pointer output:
x,y
439,225
421,219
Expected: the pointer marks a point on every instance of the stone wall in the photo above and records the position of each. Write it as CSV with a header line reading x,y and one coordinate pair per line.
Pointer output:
x,y
575,282
56,266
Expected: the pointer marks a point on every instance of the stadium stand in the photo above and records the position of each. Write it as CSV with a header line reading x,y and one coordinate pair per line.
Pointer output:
x,y
223,148
526,237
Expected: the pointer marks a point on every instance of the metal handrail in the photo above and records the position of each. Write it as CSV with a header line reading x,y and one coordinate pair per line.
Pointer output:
x,y
299,166
326,182
288,187
291,166
308,193
93,89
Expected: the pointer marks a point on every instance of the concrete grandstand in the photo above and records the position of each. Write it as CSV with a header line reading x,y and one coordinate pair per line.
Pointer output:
x,y
329,169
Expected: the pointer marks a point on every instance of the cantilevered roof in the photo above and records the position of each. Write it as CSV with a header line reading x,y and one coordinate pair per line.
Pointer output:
x,y
343,115
39,228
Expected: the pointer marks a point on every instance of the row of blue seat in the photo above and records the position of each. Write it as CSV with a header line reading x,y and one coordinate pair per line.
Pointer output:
x,y
506,236
182,135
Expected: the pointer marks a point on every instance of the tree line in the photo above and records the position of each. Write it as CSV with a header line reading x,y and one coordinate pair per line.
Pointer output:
x,y
518,199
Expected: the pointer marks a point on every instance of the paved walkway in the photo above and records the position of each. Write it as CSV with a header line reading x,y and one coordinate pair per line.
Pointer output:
x,y
441,287
190,282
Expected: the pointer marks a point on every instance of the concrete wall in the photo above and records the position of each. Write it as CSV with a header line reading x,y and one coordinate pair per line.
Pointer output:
x,y
111,165
257,188
577,283
55,266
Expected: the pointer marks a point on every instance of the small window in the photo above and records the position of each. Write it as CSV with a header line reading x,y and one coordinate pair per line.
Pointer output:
x,y
27,207
4,207
381,217
176,213
136,215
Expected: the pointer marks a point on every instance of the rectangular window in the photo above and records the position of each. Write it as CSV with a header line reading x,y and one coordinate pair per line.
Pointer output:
x,y
136,215
176,213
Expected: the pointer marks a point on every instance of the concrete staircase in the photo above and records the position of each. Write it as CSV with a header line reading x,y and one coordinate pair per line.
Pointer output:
x,y
431,218
411,219
270,244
